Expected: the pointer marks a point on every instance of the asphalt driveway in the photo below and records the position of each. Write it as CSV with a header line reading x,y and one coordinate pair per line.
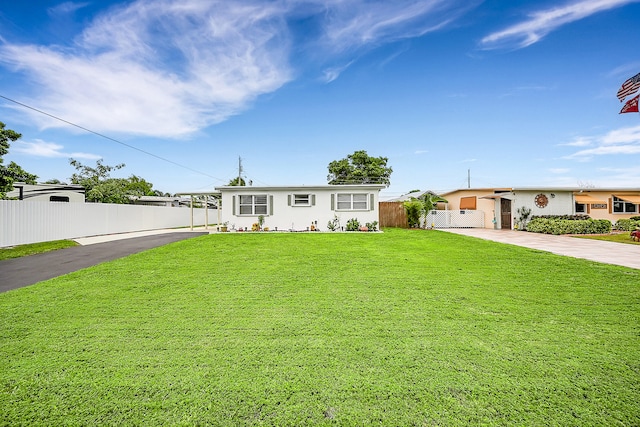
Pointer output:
x,y
18,272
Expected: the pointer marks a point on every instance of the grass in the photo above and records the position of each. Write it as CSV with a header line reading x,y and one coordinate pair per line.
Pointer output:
x,y
34,248
616,237
408,327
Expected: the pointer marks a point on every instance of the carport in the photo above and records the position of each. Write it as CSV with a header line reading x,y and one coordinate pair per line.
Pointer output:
x,y
216,195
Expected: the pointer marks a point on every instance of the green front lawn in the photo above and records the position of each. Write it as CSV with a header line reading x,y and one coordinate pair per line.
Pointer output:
x,y
407,327
616,237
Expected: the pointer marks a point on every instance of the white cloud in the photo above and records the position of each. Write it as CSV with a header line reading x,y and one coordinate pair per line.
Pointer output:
x,y
330,74
354,23
65,8
541,23
581,141
40,148
620,177
166,68
159,67
622,141
630,135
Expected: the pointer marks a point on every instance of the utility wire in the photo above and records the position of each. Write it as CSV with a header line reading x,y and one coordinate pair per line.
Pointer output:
x,y
109,138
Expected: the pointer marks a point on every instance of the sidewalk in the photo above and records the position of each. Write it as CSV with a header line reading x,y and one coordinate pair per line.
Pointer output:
x,y
84,241
593,250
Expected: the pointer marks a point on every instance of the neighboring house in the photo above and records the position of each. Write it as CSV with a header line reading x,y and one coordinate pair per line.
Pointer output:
x,y
47,192
155,201
500,205
298,208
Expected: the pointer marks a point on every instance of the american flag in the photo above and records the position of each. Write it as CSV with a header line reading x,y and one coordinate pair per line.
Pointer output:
x,y
629,87
631,106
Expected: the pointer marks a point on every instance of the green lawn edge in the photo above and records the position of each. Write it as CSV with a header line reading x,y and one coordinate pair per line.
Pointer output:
x,y
34,248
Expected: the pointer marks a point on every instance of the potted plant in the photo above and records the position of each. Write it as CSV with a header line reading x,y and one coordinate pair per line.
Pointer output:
x,y
225,227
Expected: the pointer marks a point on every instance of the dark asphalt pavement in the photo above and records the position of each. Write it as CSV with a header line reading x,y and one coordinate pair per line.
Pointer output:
x,y
18,272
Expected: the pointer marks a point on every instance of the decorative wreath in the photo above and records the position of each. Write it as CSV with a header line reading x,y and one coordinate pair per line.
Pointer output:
x,y
541,201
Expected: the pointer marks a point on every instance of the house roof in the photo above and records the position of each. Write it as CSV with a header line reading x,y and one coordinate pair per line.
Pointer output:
x,y
620,190
154,198
347,187
412,195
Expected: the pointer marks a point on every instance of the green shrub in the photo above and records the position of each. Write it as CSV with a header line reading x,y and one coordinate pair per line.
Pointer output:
x,y
575,217
567,226
413,208
353,224
627,224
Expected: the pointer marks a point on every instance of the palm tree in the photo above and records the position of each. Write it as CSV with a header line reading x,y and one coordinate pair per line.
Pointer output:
x,y
429,201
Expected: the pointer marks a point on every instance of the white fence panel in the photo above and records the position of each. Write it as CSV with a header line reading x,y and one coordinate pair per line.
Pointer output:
x,y
31,222
455,219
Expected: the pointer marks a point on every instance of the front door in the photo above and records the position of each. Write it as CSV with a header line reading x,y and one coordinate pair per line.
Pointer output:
x,y
505,214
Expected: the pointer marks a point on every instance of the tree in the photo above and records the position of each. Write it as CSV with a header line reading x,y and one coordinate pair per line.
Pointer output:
x,y
237,181
13,172
413,208
101,188
359,168
429,201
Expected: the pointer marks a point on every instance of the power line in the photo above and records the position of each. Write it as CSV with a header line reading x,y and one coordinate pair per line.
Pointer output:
x,y
109,138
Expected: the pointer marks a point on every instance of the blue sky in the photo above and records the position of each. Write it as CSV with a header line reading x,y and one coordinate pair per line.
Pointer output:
x,y
521,93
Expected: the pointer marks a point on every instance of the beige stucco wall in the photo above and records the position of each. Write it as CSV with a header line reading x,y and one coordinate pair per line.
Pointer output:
x,y
487,205
561,201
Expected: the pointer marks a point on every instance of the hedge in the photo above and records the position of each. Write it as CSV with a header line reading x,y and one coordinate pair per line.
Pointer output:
x,y
567,226
573,217
627,224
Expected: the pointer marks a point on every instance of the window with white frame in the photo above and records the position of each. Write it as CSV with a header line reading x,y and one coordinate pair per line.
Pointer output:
x,y
353,202
253,204
622,206
581,208
301,200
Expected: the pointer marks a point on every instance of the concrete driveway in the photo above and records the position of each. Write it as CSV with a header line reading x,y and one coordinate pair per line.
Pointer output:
x,y
594,250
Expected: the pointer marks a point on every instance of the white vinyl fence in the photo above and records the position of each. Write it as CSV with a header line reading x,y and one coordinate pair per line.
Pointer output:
x,y
32,222
455,219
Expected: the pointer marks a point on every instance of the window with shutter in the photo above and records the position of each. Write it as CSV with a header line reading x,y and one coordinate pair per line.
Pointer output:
x,y
353,202
302,200
253,204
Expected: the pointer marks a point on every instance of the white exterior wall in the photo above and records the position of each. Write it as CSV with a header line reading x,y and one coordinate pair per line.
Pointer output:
x,y
283,217
560,203
23,222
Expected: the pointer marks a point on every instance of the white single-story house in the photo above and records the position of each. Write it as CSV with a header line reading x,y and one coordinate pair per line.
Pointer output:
x,y
500,205
47,192
299,208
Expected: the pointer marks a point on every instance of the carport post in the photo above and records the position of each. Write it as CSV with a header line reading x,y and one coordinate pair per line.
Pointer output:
x,y
191,212
218,209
